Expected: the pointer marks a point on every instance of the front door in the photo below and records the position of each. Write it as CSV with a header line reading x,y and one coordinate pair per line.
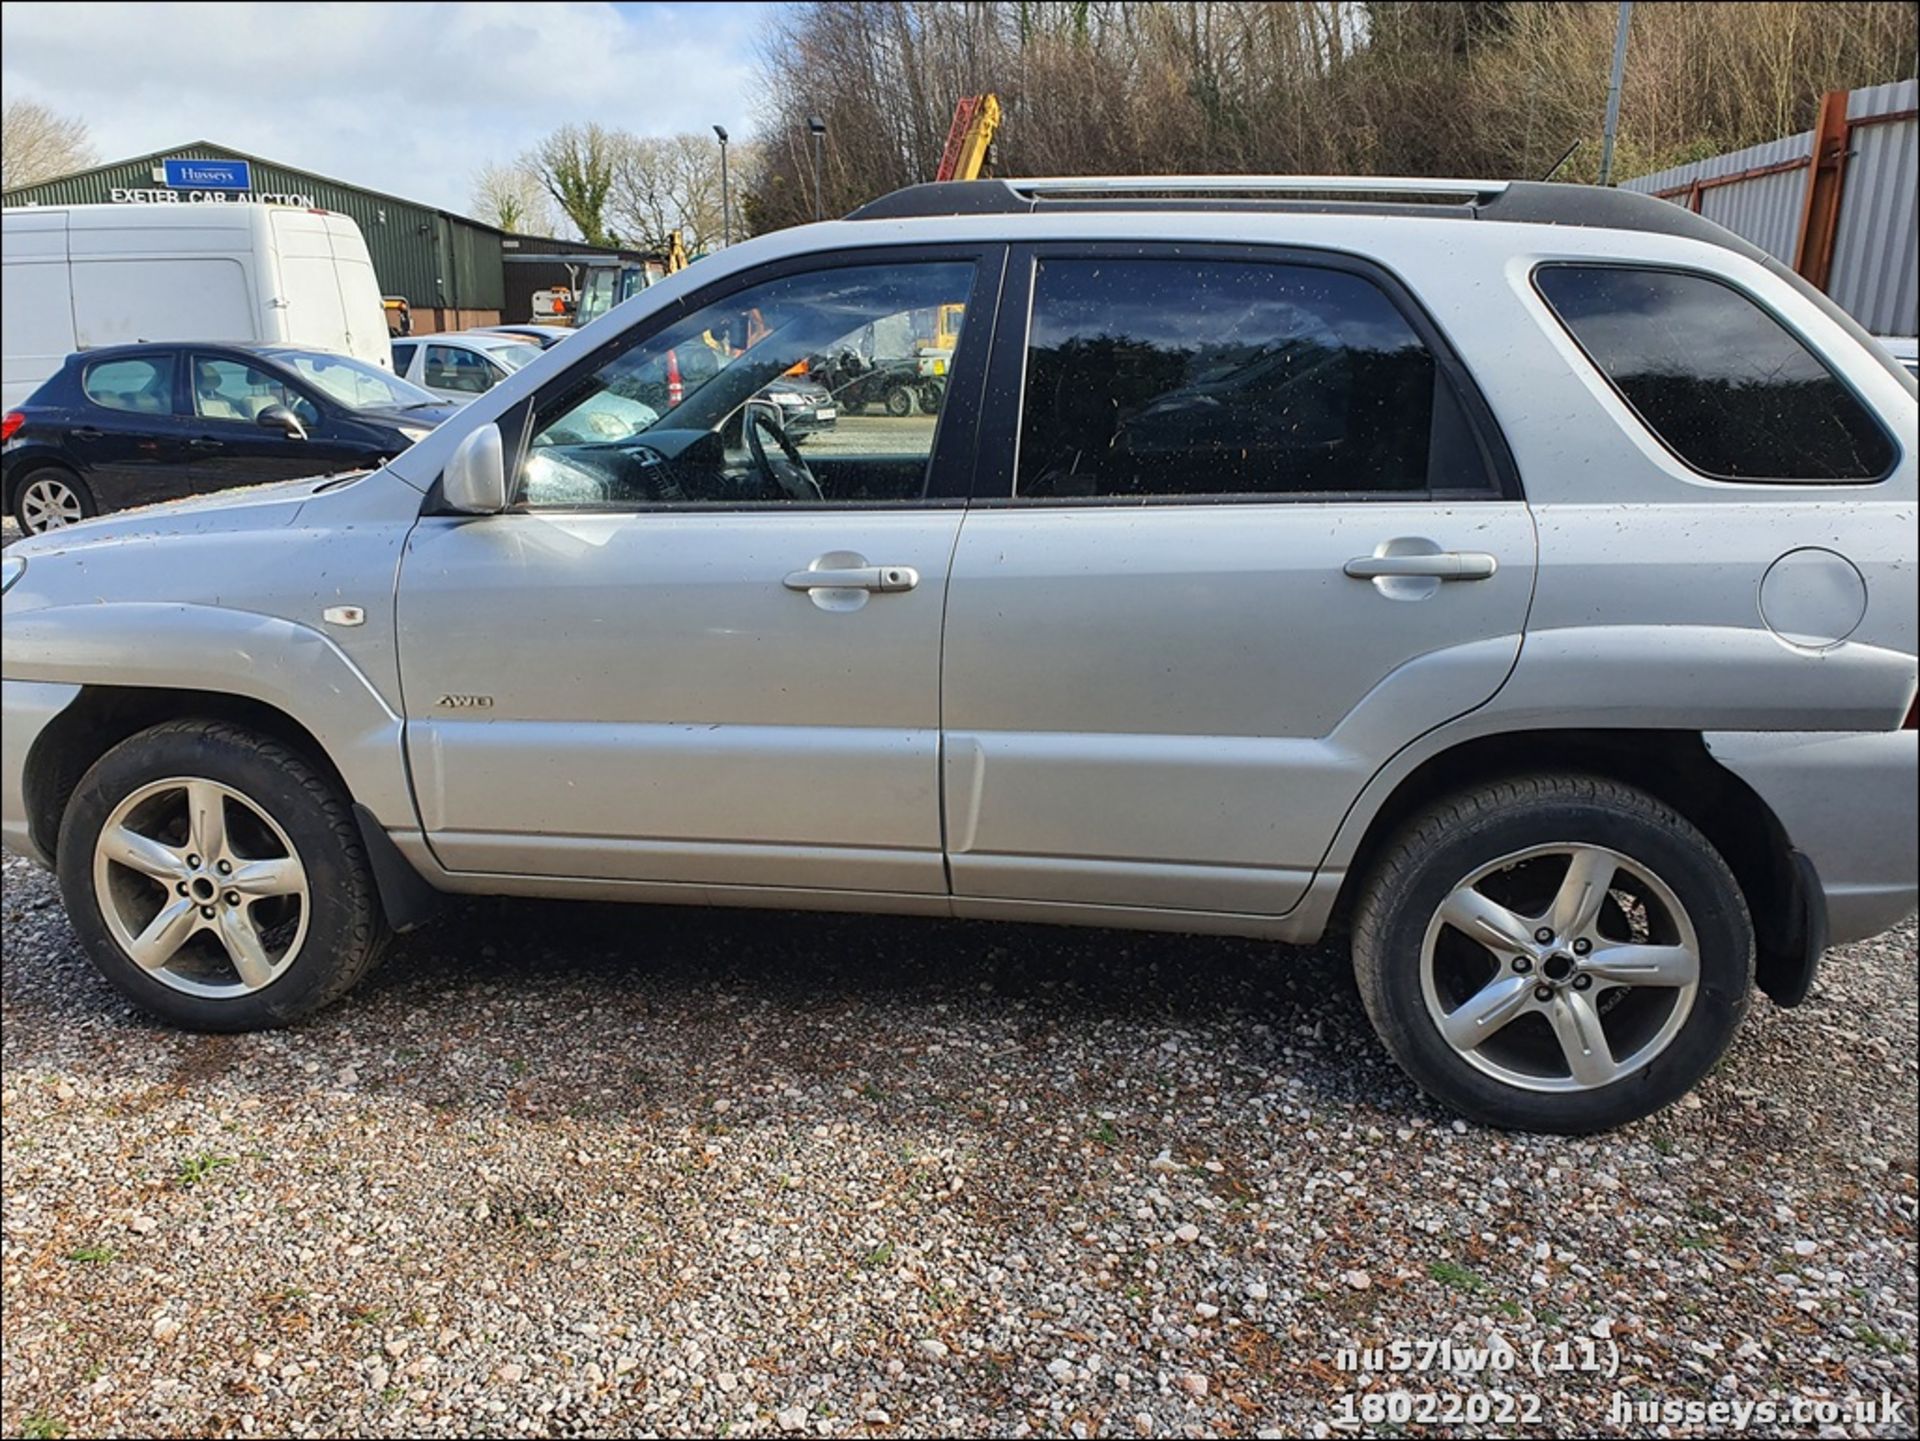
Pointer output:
x,y
694,651
1256,537
230,445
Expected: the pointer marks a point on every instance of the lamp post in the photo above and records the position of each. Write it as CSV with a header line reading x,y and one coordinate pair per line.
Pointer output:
x,y
818,129
1612,125
726,199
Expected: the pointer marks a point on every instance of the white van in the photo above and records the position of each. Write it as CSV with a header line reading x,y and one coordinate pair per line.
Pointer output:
x,y
78,276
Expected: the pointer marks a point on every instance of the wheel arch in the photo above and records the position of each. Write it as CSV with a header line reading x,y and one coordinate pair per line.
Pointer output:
x,y
102,716
31,462
1676,767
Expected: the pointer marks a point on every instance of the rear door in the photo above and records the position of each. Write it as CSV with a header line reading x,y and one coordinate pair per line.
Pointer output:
x,y
1252,533
364,315
314,312
131,445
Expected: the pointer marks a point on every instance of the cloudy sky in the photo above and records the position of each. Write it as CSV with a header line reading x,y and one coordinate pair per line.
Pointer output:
x,y
410,99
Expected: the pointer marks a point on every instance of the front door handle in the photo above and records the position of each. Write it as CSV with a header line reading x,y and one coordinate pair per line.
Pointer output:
x,y
1446,565
205,442
860,577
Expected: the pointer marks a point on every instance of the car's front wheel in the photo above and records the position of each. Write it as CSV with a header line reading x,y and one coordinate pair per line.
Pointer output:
x,y
49,498
1554,953
217,878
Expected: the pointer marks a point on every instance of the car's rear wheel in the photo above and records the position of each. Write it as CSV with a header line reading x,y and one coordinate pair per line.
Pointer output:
x,y
217,878
1554,953
49,498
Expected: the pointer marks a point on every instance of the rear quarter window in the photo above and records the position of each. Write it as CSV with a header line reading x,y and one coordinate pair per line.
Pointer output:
x,y
1722,384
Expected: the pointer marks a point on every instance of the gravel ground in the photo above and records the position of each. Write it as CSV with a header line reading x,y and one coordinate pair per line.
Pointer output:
x,y
566,1169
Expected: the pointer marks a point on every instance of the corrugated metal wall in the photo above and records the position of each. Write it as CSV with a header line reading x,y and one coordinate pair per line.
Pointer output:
x,y
427,255
1877,247
1876,255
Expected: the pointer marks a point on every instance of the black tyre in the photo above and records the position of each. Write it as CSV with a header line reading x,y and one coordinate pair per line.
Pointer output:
x,y
217,878
1554,953
899,401
50,497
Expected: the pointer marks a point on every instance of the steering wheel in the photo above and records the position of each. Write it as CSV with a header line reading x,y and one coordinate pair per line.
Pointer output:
x,y
786,472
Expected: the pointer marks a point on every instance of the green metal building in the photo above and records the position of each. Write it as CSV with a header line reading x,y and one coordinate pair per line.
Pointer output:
x,y
448,268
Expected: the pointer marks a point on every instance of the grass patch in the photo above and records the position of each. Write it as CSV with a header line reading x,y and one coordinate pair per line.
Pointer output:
x,y
1892,1345
1449,1274
93,1255
39,1428
195,1169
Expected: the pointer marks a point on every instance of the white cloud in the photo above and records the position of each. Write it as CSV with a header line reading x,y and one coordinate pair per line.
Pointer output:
x,y
406,98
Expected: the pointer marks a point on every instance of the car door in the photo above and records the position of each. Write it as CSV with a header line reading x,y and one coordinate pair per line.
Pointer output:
x,y
130,445
1250,531
227,392
670,662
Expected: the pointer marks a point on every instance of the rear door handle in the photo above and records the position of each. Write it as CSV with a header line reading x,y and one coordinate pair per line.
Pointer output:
x,y
1447,565
85,432
863,577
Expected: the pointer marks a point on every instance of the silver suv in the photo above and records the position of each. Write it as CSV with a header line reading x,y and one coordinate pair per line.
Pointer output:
x,y
1519,576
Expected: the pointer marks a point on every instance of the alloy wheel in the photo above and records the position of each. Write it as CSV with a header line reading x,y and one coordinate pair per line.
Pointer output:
x,y
48,503
201,887
1562,967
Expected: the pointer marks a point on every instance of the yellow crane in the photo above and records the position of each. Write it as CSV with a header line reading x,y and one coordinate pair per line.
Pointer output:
x,y
975,120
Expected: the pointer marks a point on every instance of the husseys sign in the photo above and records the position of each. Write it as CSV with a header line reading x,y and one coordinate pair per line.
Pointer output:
x,y
204,182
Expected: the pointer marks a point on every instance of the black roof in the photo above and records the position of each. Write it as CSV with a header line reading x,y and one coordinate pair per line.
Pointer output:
x,y
138,347
1528,201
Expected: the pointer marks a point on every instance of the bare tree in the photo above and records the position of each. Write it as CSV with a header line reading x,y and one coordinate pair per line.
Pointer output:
x,y
1412,87
575,164
37,143
512,197
667,183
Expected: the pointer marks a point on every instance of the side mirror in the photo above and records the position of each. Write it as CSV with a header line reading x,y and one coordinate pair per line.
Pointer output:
x,y
475,480
279,417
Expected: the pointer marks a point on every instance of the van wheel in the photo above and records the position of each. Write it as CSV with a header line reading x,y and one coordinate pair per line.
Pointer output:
x,y
899,402
217,879
49,498
1555,953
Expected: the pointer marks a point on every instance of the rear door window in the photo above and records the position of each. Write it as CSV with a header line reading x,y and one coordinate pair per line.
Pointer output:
x,y
1164,379
143,385
1721,383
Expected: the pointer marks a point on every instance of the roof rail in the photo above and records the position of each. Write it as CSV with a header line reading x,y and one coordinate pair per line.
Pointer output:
x,y
1526,202
1195,192
1148,185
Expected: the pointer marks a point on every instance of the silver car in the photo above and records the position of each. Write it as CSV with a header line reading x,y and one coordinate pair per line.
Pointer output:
x,y
1520,578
